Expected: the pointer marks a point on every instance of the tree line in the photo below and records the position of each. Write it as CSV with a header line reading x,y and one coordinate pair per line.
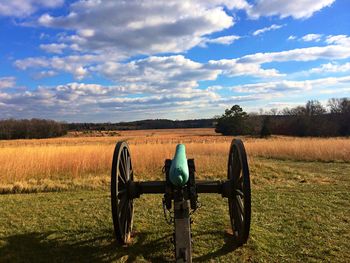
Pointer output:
x,y
142,125
31,129
312,119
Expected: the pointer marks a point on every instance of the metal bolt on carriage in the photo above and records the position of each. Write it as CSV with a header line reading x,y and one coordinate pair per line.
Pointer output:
x,y
180,192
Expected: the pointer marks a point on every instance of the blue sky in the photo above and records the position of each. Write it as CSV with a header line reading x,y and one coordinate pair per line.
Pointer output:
x,y
104,60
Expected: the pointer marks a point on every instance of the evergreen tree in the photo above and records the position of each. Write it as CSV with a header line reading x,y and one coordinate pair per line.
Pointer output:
x,y
232,122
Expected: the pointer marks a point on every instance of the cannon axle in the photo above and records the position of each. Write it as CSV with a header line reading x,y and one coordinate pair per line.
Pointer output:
x,y
136,189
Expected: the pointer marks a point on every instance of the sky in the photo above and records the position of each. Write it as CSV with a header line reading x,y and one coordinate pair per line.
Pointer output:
x,y
111,61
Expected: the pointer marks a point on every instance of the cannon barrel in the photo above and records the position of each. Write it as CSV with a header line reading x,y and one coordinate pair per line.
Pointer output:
x,y
179,172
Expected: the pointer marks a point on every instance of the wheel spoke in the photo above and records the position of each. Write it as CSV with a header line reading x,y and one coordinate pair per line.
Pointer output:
x,y
239,192
122,169
122,203
125,162
240,204
121,179
128,216
124,216
236,165
128,167
238,220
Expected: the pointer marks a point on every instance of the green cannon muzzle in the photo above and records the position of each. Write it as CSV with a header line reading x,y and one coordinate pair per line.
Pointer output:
x,y
179,173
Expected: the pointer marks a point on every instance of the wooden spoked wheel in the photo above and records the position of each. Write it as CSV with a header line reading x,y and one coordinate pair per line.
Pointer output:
x,y
240,199
122,204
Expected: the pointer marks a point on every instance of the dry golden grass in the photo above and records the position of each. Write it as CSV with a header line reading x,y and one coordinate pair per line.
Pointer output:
x,y
80,159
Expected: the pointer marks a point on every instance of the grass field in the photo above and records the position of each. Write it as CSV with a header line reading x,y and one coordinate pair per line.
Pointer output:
x,y
300,200
84,162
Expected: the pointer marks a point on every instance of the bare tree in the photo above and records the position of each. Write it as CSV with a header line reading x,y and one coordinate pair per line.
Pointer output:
x,y
314,107
339,105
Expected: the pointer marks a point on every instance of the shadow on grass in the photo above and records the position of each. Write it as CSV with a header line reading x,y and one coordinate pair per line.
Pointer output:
x,y
75,247
44,247
229,246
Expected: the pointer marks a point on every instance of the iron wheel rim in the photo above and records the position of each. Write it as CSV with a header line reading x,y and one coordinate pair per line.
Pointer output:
x,y
240,200
122,204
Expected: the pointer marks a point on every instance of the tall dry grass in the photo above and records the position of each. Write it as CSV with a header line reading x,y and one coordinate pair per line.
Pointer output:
x,y
82,158
303,149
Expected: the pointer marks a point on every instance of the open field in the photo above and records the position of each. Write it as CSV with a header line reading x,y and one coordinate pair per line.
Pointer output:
x,y
84,162
300,199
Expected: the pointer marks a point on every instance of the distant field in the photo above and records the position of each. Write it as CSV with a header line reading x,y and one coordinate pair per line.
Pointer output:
x,y
84,162
300,199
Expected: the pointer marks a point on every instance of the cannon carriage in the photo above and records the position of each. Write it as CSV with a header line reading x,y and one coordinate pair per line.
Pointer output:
x,y
180,192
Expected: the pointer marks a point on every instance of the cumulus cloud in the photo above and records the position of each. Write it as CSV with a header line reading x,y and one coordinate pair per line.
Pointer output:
x,y
20,8
164,27
288,85
74,64
224,40
312,37
45,74
298,9
338,39
7,82
331,67
178,72
117,26
265,29
53,48
291,37
339,48
159,73
232,67
93,102
80,100
107,64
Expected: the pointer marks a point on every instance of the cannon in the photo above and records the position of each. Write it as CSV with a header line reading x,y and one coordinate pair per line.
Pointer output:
x,y
180,192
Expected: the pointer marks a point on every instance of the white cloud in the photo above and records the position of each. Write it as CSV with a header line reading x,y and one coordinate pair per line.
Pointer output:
x,y
178,72
339,49
45,74
335,91
77,101
53,48
291,37
74,64
338,39
331,67
232,67
265,29
157,72
214,88
288,85
224,40
312,37
172,72
7,82
117,26
298,9
278,86
20,8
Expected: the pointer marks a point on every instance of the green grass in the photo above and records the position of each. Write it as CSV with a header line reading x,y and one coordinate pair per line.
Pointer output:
x,y
301,213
